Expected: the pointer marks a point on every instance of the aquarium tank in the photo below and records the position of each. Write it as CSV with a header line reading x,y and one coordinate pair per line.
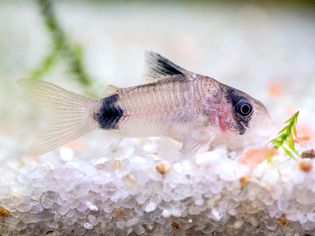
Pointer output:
x,y
157,117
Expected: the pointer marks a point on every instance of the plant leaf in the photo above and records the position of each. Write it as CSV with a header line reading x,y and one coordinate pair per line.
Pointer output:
x,y
285,136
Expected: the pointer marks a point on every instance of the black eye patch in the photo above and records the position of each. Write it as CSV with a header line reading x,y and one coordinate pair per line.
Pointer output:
x,y
242,109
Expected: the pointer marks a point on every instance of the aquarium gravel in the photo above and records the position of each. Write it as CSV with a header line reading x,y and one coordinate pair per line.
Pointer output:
x,y
133,190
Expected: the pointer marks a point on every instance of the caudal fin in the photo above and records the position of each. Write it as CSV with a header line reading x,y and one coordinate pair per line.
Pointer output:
x,y
72,115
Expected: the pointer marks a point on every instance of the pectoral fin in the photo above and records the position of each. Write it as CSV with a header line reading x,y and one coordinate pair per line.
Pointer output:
x,y
197,142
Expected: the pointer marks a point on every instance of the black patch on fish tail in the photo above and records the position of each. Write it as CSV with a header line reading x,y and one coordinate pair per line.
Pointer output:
x,y
233,97
110,113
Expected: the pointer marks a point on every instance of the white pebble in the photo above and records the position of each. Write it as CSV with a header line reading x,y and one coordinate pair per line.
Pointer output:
x,y
92,219
150,207
88,226
166,213
66,154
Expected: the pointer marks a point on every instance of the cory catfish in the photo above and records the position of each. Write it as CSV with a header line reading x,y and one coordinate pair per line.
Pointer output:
x,y
193,109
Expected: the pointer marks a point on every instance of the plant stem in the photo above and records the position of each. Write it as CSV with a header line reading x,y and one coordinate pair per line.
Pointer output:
x,y
61,47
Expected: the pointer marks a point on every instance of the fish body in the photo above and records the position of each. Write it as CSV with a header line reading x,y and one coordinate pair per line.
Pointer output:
x,y
193,109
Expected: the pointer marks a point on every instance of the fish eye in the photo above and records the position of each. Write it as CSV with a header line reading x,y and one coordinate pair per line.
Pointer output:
x,y
244,108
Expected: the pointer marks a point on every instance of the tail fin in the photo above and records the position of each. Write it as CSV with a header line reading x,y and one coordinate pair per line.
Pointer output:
x,y
73,115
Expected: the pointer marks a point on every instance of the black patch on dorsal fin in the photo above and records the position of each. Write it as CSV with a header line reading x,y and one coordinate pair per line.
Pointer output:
x,y
159,67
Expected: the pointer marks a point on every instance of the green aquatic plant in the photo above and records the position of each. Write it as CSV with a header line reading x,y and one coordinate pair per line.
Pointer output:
x,y
62,48
285,137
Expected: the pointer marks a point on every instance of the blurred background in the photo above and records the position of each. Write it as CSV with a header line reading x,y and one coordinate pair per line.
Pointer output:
x,y
265,48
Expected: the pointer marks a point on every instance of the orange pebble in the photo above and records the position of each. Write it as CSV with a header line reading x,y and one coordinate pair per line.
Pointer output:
x,y
4,212
275,89
244,180
253,156
283,221
304,134
163,167
305,166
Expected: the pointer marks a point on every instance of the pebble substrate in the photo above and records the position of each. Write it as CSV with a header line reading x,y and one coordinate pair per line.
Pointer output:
x,y
131,191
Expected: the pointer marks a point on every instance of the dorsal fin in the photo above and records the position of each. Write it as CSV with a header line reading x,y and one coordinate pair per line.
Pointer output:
x,y
159,67
110,89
